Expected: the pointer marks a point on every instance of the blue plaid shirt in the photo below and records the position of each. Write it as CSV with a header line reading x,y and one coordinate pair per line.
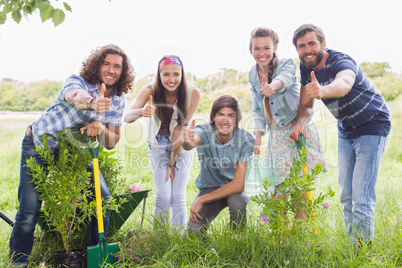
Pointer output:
x,y
63,115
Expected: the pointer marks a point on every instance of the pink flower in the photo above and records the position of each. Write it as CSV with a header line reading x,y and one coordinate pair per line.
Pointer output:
x,y
134,188
121,183
265,218
326,206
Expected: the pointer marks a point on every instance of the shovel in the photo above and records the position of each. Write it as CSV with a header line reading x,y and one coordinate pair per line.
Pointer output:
x,y
300,144
101,254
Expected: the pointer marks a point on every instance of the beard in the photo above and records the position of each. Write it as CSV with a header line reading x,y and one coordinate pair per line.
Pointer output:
x,y
318,59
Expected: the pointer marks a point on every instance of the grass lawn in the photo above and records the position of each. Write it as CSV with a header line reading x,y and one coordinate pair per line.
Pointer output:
x,y
253,248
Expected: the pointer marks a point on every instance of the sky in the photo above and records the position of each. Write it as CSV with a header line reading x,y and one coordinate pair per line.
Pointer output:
x,y
208,35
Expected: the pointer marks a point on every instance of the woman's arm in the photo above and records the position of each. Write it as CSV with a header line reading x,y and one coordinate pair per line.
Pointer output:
x,y
137,110
179,130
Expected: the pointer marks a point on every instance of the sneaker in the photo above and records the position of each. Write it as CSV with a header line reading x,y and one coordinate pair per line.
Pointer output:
x,y
19,264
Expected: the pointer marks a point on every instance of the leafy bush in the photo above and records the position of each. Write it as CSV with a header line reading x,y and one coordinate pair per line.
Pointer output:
x,y
278,212
65,186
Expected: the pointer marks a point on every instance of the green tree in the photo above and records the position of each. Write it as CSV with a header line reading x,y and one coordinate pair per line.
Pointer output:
x,y
375,69
47,10
36,96
390,86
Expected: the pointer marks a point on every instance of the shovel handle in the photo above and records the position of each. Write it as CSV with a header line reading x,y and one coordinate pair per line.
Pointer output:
x,y
302,142
98,196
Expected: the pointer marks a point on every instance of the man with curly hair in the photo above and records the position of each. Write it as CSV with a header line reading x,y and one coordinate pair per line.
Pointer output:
x,y
92,101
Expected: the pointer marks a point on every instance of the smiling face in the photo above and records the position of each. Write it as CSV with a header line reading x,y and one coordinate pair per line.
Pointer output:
x,y
111,69
311,51
171,76
263,49
225,122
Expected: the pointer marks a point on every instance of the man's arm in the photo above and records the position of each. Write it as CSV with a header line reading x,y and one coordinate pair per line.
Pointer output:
x,y
304,113
233,187
80,97
339,87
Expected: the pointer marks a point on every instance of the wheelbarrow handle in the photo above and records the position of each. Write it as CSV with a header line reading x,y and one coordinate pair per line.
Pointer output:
x,y
6,218
94,150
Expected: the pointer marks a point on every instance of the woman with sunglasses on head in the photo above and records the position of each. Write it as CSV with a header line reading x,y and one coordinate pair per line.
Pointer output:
x,y
169,104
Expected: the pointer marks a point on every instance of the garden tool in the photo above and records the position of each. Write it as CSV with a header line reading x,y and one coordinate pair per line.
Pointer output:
x,y
300,144
101,254
6,218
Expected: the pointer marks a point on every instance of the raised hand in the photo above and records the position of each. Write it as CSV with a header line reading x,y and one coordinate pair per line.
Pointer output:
x,y
149,110
314,89
101,104
189,134
266,88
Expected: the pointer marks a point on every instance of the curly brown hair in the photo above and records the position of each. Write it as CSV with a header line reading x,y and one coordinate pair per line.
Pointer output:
x,y
91,66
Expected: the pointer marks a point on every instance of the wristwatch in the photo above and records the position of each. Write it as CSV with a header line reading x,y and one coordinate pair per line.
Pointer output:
x,y
89,103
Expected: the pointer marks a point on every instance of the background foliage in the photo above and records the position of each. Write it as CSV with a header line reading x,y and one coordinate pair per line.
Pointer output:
x,y
38,96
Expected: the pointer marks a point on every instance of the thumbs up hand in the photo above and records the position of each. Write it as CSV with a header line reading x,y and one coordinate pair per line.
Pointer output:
x,y
149,110
101,104
266,89
314,89
189,134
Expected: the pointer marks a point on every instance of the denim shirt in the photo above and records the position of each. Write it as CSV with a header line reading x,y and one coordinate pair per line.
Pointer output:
x,y
283,103
219,161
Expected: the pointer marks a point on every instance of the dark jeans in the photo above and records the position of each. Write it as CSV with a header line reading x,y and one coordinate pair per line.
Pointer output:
x,y
237,204
22,236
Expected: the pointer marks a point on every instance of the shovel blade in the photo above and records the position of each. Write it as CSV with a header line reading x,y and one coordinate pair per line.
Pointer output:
x,y
102,254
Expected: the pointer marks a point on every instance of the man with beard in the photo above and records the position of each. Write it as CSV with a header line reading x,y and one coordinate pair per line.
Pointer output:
x,y
364,124
92,101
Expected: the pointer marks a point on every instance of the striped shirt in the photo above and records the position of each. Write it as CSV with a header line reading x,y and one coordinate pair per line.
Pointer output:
x,y
360,112
63,115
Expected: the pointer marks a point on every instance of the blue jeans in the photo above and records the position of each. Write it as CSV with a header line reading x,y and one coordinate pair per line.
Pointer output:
x,y
22,236
358,163
237,204
170,195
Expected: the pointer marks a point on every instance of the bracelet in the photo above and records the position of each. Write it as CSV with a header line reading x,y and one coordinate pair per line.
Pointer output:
x,y
172,166
89,103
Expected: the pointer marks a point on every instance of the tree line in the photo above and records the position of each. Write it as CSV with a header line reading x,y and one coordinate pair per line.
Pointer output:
x,y
38,96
